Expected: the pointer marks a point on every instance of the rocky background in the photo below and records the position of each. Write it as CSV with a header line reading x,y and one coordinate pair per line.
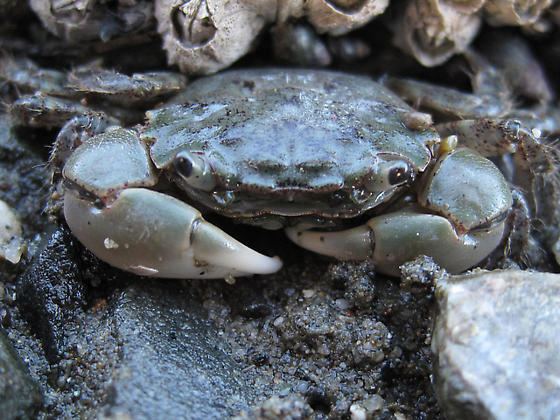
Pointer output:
x,y
320,339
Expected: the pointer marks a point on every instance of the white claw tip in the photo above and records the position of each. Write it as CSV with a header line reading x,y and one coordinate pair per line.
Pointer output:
x,y
143,270
152,234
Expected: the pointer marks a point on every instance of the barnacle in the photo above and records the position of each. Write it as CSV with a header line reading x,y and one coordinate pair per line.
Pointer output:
x,y
341,16
204,36
91,20
432,30
515,12
466,6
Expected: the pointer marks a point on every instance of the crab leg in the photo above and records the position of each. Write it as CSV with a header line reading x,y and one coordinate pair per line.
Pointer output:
x,y
490,97
498,137
75,132
489,137
393,239
44,111
153,234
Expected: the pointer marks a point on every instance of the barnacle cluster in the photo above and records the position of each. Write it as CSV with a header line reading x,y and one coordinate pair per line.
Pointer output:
x,y
208,35
205,36
433,30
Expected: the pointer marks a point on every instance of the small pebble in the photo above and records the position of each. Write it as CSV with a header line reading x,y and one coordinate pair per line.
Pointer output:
x,y
357,412
342,304
373,404
11,241
308,293
278,321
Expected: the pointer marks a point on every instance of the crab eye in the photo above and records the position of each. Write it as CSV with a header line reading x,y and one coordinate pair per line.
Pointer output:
x,y
399,174
183,166
390,173
194,170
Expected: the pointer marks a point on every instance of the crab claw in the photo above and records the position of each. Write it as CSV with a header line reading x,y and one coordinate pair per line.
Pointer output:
x,y
393,239
153,234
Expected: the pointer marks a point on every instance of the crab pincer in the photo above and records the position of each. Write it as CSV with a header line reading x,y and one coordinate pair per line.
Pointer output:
x,y
449,223
110,209
174,241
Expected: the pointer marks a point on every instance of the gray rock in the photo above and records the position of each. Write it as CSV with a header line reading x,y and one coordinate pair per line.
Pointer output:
x,y
497,345
51,294
121,347
19,395
174,363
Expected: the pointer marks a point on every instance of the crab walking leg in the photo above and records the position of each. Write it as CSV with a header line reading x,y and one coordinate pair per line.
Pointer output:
x,y
443,100
393,239
488,136
490,97
75,132
498,137
153,234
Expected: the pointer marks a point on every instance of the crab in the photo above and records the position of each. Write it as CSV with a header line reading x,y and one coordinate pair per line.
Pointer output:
x,y
339,161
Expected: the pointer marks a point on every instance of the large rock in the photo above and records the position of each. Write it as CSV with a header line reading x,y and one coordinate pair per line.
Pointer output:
x,y
19,395
497,345
126,346
174,362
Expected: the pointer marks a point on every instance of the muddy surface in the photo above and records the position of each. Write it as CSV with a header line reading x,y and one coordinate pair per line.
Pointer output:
x,y
331,336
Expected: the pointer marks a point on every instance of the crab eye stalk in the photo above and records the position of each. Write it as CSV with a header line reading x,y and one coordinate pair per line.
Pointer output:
x,y
194,170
